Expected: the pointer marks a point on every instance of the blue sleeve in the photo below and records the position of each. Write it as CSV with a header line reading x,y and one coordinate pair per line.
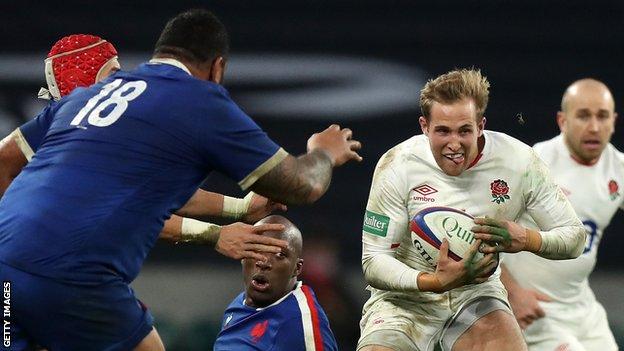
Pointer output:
x,y
233,143
35,130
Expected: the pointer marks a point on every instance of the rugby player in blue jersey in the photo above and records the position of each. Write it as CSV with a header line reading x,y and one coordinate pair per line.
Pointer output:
x,y
117,160
80,60
276,312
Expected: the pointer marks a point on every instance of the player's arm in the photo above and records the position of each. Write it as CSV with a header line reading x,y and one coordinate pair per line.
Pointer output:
x,y
562,235
386,222
524,302
12,159
304,179
17,149
249,209
236,146
237,240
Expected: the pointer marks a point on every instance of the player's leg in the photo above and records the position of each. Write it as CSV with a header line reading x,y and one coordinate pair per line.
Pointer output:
x,y
497,330
386,340
61,316
151,342
485,323
399,324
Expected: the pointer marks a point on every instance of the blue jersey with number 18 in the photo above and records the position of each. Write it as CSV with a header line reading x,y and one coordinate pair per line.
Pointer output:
x,y
113,162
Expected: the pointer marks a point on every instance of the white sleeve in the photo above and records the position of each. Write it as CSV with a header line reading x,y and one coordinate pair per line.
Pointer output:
x,y
563,234
385,223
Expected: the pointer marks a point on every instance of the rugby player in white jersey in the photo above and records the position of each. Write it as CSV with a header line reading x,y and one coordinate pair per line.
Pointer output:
x,y
415,305
552,300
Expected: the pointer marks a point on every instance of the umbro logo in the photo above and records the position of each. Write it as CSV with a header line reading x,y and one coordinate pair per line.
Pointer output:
x,y
424,190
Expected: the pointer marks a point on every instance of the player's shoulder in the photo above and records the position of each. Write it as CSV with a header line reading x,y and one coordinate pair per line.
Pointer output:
x,y
505,141
549,144
237,302
550,150
398,154
503,147
612,153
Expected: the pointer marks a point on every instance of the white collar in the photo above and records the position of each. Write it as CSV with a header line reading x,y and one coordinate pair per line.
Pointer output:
x,y
170,61
298,286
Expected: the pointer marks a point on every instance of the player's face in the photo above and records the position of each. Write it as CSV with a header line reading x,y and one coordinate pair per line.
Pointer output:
x,y
453,134
267,282
588,123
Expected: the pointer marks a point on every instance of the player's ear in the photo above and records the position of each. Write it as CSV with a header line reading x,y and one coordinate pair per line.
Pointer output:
x,y
424,125
561,121
481,125
298,267
217,70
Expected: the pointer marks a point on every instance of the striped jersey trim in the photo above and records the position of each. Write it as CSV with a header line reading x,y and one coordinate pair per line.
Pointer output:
x,y
22,144
309,318
263,169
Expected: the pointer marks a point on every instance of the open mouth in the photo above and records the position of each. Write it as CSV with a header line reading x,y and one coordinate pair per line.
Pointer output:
x,y
457,158
259,283
592,144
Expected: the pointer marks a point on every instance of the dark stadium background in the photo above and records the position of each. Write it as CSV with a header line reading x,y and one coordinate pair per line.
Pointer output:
x,y
530,50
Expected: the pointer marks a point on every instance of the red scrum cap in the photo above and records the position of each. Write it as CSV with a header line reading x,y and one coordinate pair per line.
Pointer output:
x,y
75,61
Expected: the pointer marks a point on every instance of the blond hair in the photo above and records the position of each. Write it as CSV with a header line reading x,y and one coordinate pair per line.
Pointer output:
x,y
454,86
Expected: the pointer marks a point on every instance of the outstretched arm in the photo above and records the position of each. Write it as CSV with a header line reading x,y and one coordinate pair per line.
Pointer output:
x,y
12,160
304,179
237,240
249,209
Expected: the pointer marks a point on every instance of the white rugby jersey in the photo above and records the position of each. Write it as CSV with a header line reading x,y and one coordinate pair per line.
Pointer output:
x,y
595,194
507,180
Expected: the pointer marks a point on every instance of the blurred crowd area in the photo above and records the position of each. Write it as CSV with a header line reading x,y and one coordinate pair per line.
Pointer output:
x,y
297,67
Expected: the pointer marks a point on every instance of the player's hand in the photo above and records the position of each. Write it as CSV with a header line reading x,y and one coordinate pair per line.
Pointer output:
x,y
525,306
337,144
240,240
260,207
501,235
451,274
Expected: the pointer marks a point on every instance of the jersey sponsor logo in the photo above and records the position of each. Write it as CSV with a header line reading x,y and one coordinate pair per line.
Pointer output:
x,y
376,224
424,190
613,190
500,191
258,330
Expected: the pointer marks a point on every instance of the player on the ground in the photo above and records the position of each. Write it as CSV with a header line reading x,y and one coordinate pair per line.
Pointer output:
x,y
552,300
118,158
276,312
80,60
415,305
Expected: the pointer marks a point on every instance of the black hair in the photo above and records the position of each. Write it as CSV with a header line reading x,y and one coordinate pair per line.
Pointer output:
x,y
196,35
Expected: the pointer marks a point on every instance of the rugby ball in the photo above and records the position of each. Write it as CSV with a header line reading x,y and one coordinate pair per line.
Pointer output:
x,y
433,224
